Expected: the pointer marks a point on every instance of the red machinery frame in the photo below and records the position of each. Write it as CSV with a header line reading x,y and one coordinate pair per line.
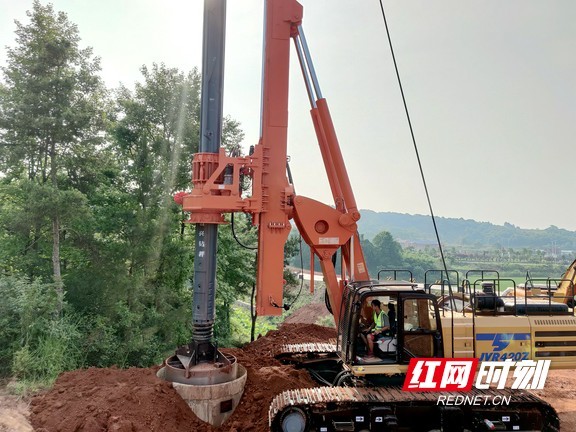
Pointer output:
x,y
272,202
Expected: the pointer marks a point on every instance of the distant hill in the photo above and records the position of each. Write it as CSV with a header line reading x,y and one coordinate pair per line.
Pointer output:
x,y
464,232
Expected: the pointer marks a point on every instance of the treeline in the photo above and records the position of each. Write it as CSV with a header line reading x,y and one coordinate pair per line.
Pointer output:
x,y
383,255
465,233
95,262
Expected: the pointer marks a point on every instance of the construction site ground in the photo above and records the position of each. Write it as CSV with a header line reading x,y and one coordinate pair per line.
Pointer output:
x,y
135,400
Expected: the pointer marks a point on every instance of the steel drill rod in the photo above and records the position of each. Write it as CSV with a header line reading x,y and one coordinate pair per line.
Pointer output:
x,y
204,284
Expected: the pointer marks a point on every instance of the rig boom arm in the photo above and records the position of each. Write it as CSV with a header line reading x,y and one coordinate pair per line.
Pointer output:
x,y
272,202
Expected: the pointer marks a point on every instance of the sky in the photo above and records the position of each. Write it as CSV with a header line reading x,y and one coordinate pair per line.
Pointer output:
x,y
490,87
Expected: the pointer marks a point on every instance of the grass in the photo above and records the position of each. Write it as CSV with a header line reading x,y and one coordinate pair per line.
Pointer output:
x,y
295,296
26,388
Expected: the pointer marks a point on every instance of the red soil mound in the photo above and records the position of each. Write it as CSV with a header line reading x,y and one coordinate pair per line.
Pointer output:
x,y
134,400
309,314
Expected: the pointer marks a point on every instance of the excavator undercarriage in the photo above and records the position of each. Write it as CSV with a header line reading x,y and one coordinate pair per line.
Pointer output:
x,y
327,409
356,395
346,401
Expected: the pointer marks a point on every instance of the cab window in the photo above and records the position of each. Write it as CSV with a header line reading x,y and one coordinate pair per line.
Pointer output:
x,y
419,315
419,329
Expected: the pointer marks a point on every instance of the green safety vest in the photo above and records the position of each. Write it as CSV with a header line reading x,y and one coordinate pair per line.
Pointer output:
x,y
380,320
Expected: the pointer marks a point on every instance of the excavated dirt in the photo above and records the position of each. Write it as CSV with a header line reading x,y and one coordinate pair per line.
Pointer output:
x,y
560,392
309,314
134,400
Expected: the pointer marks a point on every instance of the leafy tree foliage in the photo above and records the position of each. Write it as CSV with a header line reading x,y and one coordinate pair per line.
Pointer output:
x,y
383,252
156,133
95,262
51,119
387,250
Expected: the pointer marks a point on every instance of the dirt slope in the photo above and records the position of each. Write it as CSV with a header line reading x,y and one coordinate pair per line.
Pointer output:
x,y
13,413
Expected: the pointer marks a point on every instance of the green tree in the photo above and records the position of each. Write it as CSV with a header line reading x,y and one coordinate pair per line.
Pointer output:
x,y
387,251
51,117
155,134
370,256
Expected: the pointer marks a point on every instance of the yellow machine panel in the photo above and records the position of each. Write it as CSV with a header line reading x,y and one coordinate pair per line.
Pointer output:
x,y
509,337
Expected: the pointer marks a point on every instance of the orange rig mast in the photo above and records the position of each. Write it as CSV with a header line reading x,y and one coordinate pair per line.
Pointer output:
x,y
272,202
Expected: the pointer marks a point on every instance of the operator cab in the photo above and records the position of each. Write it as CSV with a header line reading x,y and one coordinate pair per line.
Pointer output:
x,y
413,324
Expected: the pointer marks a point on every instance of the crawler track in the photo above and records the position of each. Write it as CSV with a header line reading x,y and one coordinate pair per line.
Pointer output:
x,y
390,408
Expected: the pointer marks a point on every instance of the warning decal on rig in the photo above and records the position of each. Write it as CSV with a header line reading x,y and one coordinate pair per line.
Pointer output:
x,y
329,240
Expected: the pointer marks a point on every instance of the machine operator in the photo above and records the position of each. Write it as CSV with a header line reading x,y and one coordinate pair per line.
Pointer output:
x,y
381,324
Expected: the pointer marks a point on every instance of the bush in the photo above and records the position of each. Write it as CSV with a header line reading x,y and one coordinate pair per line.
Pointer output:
x,y
53,352
36,343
